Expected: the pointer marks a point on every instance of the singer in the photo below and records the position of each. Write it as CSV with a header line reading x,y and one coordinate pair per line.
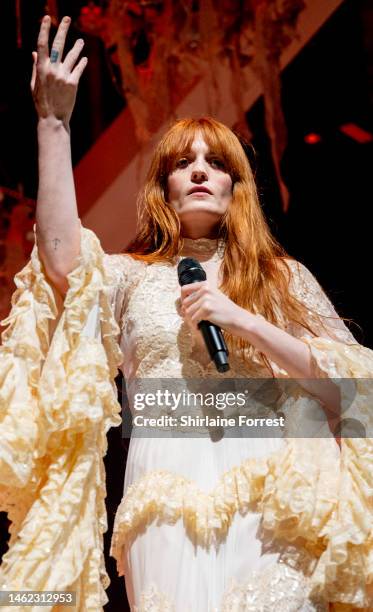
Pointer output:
x,y
207,523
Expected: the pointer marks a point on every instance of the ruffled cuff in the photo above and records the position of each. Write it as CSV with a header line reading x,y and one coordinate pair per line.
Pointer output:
x,y
58,399
345,570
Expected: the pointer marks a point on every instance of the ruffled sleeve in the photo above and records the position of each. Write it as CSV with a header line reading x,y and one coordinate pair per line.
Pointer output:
x,y
308,291
345,569
117,283
57,401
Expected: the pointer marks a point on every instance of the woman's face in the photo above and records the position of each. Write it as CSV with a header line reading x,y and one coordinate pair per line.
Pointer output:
x,y
199,189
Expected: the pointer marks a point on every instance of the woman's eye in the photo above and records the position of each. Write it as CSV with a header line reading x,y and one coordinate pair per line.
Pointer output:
x,y
215,162
218,163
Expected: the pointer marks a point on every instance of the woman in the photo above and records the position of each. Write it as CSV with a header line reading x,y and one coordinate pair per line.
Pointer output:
x,y
206,522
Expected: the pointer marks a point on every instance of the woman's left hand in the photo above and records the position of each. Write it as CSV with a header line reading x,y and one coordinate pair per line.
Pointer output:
x,y
201,302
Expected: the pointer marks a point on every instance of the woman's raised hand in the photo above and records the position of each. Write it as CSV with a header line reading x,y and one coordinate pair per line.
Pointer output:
x,y
54,83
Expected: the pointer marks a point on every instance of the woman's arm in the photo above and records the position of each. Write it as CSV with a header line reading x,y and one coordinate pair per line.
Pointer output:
x,y
202,302
290,354
54,86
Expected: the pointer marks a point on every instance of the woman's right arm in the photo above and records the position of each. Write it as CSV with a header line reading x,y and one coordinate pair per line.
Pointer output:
x,y
54,86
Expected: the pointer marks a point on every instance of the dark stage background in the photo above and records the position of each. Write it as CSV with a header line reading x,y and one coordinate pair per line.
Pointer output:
x,y
327,226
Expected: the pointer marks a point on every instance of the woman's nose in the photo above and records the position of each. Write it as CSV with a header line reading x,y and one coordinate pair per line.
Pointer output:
x,y
199,174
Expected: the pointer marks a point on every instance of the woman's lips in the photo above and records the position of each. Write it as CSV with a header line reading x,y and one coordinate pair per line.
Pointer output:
x,y
200,193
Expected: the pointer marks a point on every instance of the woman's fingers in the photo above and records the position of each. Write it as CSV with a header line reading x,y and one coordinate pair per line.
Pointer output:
x,y
53,84
78,70
73,54
33,76
59,41
42,44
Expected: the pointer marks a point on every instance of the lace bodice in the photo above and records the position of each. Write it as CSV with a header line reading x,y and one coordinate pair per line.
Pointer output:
x,y
155,339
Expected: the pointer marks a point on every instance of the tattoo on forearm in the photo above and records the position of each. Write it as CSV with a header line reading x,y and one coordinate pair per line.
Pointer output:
x,y
55,243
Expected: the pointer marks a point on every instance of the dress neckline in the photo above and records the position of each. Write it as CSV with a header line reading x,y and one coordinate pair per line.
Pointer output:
x,y
209,248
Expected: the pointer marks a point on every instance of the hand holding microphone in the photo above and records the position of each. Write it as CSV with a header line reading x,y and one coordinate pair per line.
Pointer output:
x,y
196,300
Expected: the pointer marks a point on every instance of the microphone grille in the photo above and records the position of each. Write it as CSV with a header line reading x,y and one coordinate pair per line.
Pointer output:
x,y
189,270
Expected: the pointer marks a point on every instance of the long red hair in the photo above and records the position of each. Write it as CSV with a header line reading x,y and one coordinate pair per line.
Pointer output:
x,y
252,274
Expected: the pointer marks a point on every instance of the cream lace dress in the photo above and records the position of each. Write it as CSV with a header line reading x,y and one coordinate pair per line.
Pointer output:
x,y
172,545
204,524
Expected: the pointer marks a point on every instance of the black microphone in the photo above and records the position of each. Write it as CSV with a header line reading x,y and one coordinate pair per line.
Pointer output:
x,y
189,271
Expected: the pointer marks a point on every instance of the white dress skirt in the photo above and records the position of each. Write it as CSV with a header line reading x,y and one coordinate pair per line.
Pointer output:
x,y
165,570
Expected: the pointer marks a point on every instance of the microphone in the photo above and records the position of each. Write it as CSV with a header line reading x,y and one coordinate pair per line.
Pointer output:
x,y
189,271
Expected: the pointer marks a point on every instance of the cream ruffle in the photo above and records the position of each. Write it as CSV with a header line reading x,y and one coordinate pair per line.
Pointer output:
x,y
305,490
293,491
57,401
345,570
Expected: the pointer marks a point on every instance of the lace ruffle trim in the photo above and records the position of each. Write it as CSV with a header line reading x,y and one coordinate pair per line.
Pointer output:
x,y
295,499
345,570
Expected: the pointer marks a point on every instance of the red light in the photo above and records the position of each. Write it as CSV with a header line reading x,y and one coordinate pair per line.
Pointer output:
x,y
312,138
356,133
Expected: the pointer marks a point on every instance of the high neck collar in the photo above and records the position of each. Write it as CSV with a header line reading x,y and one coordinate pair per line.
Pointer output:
x,y
203,247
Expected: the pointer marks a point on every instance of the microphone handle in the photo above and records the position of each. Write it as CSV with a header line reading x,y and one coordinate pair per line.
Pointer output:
x,y
215,343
